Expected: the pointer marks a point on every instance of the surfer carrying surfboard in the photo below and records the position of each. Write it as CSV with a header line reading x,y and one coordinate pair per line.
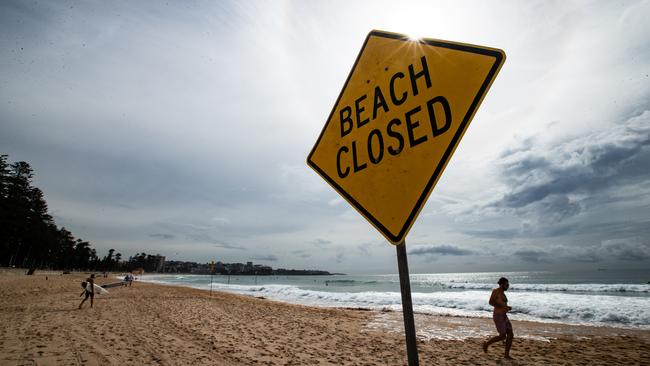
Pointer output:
x,y
89,290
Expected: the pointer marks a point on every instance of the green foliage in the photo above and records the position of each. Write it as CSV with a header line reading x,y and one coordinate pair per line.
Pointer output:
x,y
29,236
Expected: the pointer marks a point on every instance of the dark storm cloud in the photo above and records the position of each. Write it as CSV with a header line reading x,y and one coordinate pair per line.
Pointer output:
x,y
634,249
550,179
626,250
265,258
533,256
162,236
440,250
604,230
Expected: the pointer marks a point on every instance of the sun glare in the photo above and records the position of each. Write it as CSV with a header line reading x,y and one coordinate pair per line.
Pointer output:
x,y
415,36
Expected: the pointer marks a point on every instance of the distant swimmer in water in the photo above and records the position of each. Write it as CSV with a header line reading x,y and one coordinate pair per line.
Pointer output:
x,y
499,300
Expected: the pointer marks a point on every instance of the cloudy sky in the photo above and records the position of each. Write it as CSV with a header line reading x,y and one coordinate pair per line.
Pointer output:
x,y
182,128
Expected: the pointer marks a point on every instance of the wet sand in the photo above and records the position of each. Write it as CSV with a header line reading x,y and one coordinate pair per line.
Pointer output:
x,y
151,324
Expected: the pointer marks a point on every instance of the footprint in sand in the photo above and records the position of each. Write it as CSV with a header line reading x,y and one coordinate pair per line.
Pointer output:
x,y
506,362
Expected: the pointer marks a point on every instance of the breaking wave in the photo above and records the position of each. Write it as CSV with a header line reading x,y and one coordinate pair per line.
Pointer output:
x,y
588,304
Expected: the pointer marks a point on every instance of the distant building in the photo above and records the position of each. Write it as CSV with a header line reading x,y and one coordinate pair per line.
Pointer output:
x,y
262,270
234,269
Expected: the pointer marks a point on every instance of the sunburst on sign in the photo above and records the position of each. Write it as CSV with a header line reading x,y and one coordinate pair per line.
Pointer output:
x,y
401,114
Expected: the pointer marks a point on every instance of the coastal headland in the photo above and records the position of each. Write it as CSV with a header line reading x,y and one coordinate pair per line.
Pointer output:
x,y
166,325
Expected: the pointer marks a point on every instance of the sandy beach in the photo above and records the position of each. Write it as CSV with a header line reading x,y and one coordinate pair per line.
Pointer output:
x,y
154,324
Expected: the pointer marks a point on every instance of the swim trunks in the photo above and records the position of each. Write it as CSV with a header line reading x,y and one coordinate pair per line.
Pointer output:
x,y
502,323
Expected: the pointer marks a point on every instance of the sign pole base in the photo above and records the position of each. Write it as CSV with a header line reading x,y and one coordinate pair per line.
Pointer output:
x,y
407,305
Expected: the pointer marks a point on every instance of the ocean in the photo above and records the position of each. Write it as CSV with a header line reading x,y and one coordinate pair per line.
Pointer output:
x,y
601,298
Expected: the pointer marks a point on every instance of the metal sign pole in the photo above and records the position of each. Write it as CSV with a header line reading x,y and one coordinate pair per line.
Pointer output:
x,y
407,305
211,276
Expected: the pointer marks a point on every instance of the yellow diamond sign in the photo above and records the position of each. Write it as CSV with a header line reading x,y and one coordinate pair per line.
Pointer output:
x,y
403,110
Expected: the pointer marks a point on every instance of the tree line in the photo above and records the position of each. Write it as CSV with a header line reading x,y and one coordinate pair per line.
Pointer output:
x,y
29,237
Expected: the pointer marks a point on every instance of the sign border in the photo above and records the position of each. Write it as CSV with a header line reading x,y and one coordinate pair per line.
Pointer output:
x,y
499,58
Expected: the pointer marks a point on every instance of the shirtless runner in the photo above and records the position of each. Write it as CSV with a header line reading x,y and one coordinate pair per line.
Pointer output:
x,y
500,317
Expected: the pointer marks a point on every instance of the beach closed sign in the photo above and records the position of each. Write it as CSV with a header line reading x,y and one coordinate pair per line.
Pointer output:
x,y
401,114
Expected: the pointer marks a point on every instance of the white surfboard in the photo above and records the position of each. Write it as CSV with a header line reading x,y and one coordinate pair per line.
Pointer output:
x,y
98,289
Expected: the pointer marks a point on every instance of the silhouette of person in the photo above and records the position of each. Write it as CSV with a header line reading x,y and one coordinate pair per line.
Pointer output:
x,y
499,301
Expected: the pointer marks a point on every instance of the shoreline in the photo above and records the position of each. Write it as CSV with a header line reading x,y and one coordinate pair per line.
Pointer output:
x,y
451,313
175,325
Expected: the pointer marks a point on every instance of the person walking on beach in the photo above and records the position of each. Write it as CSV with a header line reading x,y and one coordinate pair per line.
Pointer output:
x,y
89,291
499,301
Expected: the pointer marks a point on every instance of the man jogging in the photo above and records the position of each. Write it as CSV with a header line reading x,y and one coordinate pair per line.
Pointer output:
x,y
499,300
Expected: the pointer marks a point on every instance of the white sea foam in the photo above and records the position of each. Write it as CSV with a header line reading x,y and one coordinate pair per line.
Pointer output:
x,y
545,306
583,287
